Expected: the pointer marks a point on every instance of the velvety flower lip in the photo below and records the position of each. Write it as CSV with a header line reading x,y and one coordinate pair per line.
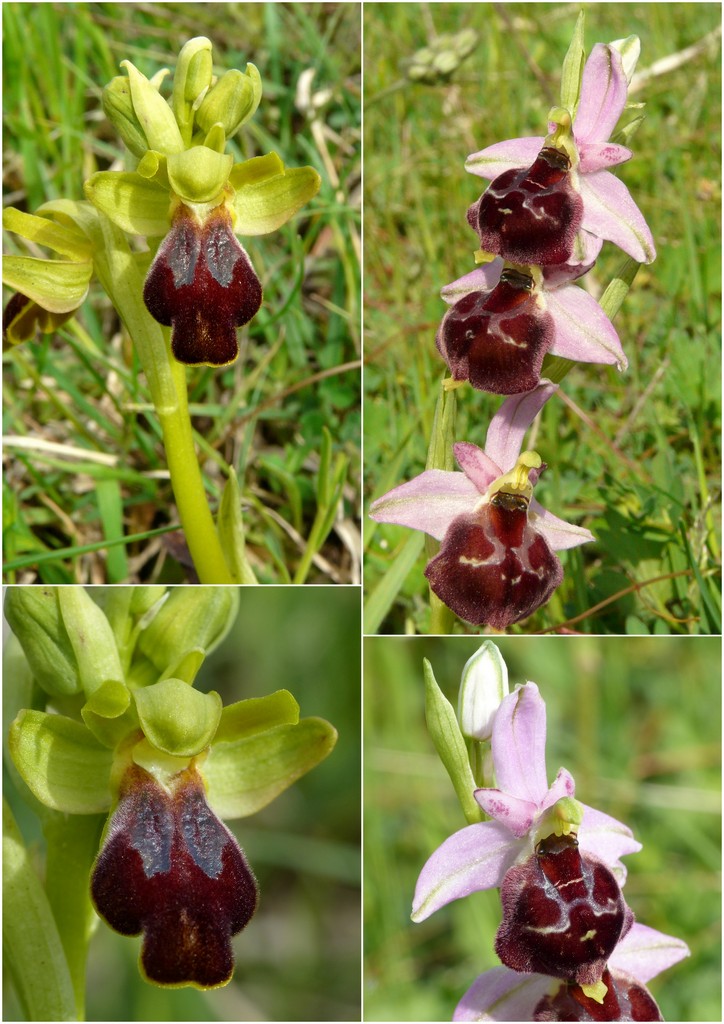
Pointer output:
x,y
498,341
436,497
170,869
479,855
505,995
202,284
609,212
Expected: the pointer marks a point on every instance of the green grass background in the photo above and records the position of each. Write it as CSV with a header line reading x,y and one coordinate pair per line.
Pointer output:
x,y
266,413
636,720
636,459
299,958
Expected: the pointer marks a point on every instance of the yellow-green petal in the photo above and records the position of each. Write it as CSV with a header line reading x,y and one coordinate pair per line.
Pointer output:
x,y
67,241
61,762
256,169
176,718
135,204
256,714
59,286
246,775
265,205
199,174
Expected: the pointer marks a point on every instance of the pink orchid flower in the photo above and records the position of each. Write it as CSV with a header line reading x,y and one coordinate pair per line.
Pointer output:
x,y
560,189
496,564
502,323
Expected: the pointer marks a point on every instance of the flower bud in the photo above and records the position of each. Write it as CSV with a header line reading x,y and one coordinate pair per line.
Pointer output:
x,y
34,616
92,638
191,79
484,684
153,112
232,101
190,617
118,108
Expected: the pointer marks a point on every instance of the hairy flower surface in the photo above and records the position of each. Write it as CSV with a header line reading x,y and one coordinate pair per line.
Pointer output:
x,y
496,563
546,191
503,322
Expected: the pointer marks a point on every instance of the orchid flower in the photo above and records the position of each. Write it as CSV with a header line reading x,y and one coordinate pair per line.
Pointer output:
x,y
496,564
503,994
553,197
503,322
524,810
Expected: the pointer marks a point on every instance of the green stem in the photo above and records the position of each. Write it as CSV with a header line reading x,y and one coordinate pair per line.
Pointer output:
x,y
440,456
72,846
166,378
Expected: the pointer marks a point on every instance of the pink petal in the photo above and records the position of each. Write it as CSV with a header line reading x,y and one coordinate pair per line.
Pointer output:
x,y
476,465
643,953
583,332
504,156
610,212
502,994
482,279
603,95
515,814
597,156
474,858
559,534
508,426
430,502
607,839
563,785
519,745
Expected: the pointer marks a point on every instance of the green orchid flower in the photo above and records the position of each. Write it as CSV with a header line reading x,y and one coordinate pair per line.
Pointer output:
x,y
125,733
188,200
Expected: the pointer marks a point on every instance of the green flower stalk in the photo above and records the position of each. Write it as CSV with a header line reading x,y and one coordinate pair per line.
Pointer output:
x,y
123,734
183,298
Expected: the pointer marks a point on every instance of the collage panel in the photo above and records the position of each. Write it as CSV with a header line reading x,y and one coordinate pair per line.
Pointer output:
x,y
182,292
475,760
181,833
542,317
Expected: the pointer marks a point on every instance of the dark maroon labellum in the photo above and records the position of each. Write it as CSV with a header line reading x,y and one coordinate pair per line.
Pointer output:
x,y
497,339
493,568
202,284
626,999
563,913
532,214
170,869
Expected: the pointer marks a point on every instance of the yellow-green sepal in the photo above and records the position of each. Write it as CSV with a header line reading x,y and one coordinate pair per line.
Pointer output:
x,y
268,194
153,112
255,715
65,240
59,286
135,204
247,774
23,318
176,718
62,764
199,174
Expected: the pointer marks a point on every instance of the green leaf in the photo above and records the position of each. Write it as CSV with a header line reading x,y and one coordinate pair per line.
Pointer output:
x,y
381,599
246,775
32,949
176,718
443,726
265,205
135,204
59,286
257,714
230,525
63,765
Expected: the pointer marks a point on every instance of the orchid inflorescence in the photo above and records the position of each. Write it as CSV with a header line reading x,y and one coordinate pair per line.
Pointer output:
x,y
541,224
110,726
568,941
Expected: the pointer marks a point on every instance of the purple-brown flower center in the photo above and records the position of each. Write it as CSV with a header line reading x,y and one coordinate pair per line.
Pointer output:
x,y
626,999
170,869
530,215
497,339
202,284
563,913
493,568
